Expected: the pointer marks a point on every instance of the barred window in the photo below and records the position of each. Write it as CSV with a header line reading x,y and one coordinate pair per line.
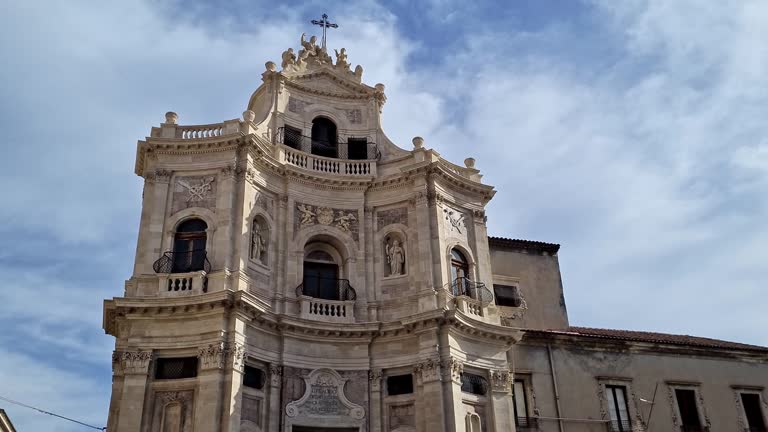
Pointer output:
x,y
522,418
618,408
475,384
253,377
176,368
506,295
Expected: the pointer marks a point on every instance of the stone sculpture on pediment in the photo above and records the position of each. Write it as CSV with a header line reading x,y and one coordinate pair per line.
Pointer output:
x,y
289,58
341,59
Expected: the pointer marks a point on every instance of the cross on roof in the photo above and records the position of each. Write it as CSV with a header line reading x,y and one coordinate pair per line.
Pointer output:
x,y
324,23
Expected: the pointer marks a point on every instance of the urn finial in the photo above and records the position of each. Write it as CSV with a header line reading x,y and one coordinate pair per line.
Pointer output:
x,y
171,117
418,143
469,162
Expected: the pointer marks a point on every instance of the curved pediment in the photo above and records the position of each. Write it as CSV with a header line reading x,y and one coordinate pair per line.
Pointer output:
x,y
327,83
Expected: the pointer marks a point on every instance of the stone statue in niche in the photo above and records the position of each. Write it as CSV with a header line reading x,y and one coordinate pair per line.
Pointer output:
x,y
395,257
258,242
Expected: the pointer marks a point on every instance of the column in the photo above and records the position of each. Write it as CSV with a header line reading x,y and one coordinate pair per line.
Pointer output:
x,y
135,366
273,398
501,400
431,416
374,376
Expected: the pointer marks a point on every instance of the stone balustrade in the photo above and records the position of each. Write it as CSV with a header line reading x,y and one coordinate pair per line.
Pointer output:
x,y
200,131
337,311
324,165
181,284
469,306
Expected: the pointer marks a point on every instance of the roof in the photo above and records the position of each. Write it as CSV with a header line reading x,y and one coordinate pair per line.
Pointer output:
x,y
5,422
651,337
526,245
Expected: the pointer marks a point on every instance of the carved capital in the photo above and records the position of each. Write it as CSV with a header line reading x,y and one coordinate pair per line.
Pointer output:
x,y
501,380
159,176
375,375
133,362
427,371
452,369
222,355
275,375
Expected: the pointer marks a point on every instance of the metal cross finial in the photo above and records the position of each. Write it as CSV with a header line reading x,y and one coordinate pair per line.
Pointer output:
x,y
324,23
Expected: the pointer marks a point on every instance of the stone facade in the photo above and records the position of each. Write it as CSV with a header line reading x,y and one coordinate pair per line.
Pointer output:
x,y
231,322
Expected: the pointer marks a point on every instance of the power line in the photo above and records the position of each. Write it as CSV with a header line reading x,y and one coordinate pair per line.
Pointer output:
x,y
51,414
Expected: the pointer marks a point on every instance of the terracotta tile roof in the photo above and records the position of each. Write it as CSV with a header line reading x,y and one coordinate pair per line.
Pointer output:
x,y
651,337
528,245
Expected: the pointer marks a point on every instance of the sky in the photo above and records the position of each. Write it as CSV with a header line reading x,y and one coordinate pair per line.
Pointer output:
x,y
631,132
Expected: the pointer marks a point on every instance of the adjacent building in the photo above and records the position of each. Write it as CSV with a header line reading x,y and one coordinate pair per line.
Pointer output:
x,y
298,271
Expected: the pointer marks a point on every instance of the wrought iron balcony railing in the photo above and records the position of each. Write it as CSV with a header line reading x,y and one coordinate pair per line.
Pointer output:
x,y
475,290
326,289
358,148
183,262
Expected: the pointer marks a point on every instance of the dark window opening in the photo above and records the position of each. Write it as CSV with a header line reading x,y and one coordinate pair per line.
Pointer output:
x,y
189,246
324,137
253,377
176,368
400,384
292,137
357,148
754,412
475,384
506,295
618,409
689,411
522,418
321,280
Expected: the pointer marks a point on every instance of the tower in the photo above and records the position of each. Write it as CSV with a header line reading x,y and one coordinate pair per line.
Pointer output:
x,y
298,271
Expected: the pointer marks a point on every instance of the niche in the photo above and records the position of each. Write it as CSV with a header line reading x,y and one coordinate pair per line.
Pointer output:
x,y
394,255
259,244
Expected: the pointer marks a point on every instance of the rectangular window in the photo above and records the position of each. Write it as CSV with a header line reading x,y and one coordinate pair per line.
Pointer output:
x,y
357,148
689,410
506,295
176,368
522,419
618,408
475,384
253,377
292,137
753,411
399,384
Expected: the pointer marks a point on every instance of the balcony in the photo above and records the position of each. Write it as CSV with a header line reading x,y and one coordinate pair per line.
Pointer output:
x,y
327,299
182,273
471,297
346,147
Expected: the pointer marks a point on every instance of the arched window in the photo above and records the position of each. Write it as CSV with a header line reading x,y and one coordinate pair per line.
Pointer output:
x,y
321,275
324,137
459,265
189,246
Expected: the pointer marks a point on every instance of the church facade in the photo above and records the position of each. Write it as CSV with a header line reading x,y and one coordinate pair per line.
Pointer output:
x,y
297,271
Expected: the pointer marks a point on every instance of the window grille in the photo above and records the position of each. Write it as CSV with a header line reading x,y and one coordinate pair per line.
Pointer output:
x,y
292,137
400,384
618,410
176,368
522,420
475,384
254,377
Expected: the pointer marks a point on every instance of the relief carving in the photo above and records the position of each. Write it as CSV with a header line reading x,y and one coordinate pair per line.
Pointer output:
x,y
455,221
345,220
173,411
391,216
194,192
324,397
501,380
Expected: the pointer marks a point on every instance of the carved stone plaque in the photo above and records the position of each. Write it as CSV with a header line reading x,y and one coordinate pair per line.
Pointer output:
x,y
324,397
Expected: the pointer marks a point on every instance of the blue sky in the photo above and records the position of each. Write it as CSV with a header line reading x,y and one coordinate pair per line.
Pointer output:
x,y
631,132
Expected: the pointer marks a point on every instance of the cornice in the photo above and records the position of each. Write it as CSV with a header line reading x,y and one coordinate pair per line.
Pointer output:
x,y
175,146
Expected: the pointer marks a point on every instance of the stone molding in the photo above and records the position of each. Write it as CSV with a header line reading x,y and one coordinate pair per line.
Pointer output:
x,y
222,355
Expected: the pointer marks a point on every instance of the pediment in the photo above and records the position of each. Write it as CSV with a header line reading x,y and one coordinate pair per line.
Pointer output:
x,y
326,83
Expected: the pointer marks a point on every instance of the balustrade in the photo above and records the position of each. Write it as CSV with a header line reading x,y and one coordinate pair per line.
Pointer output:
x,y
325,165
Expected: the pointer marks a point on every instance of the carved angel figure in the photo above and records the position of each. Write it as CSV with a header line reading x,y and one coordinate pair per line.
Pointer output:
x,y
306,214
258,243
395,258
341,58
345,221
309,48
289,58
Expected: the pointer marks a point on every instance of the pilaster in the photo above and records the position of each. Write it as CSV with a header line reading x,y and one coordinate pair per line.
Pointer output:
x,y
275,387
501,399
221,367
451,371
430,400
375,377
134,366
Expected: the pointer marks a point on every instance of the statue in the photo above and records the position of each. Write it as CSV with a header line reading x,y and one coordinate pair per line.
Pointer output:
x,y
341,58
395,258
289,58
258,243
309,48
306,214
359,71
